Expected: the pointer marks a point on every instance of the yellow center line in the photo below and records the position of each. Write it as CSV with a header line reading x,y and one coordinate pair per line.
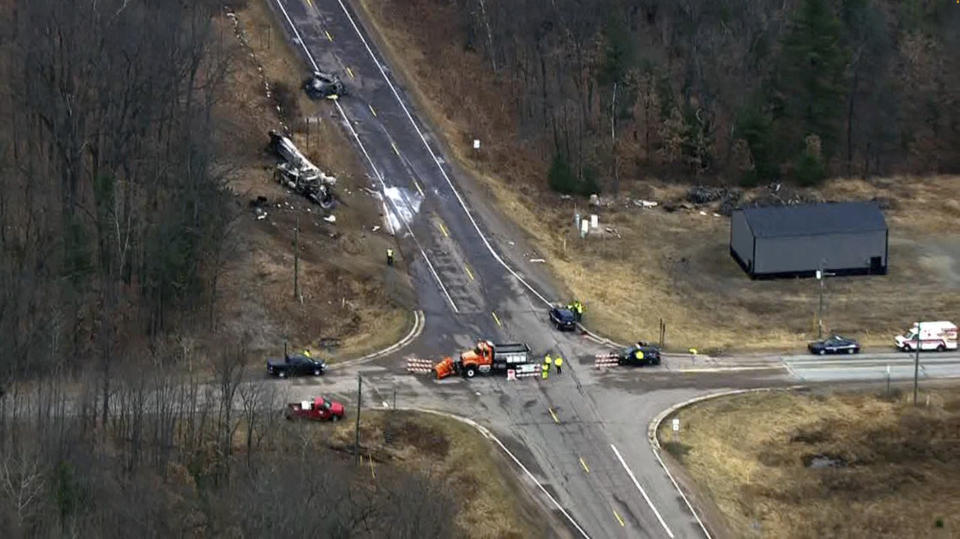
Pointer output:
x,y
619,519
395,150
555,419
420,189
496,318
309,3
469,273
328,35
372,111
350,72
443,229
584,464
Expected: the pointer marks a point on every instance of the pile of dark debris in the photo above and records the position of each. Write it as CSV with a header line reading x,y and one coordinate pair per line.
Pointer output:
x,y
723,200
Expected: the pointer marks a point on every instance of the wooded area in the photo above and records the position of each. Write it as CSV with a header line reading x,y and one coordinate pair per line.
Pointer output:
x,y
743,90
126,407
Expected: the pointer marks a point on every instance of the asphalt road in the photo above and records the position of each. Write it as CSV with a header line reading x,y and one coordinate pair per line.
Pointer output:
x,y
581,435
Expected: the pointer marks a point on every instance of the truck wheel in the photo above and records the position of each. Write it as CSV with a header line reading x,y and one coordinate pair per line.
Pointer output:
x,y
335,418
941,347
851,350
822,351
282,374
471,372
316,372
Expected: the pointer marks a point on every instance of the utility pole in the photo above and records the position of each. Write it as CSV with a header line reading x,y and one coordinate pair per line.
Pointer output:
x,y
296,260
356,442
821,275
916,365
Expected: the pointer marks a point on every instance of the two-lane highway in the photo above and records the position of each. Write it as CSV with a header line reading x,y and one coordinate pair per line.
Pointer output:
x,y
468,291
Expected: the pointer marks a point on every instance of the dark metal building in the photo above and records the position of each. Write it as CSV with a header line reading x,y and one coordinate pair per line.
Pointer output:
x,y
790,241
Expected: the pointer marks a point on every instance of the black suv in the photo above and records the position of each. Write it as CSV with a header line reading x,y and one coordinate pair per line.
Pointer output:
x,y
563,319
296,365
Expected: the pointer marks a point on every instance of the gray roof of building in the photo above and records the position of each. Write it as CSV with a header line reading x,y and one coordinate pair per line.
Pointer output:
x,y
815,219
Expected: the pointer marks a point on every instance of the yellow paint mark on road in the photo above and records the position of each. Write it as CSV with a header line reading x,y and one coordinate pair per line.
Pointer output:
x,y
350,72
584,464
419,189
555,419
443,229
309,2
395,150
328,35
469,273
619,519
372,111
496,318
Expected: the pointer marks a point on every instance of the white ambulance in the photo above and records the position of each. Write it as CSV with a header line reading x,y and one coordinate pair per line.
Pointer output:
x,y
939,336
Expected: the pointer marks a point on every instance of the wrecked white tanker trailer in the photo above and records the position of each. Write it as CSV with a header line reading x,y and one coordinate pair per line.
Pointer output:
x,y
298,173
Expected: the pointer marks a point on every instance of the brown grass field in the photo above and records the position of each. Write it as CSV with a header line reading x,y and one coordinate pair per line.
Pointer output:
x,y
481,482
892,470
674,266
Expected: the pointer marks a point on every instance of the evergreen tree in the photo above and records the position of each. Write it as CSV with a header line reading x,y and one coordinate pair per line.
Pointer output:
x,y
810,79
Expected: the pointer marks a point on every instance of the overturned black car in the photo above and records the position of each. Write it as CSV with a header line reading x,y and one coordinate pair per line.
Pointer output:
x,y
322,85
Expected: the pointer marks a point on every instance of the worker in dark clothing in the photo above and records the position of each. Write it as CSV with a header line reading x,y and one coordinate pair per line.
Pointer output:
x,y
389,257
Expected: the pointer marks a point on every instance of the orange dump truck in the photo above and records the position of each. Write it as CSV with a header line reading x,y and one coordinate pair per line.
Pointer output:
x,y
486,358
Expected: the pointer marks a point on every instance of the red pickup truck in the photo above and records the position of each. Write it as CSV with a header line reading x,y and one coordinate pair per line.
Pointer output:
x,y
318,409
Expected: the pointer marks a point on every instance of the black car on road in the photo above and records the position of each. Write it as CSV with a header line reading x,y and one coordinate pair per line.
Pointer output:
x,y
834,345
639,355
296,365
563,319
322,85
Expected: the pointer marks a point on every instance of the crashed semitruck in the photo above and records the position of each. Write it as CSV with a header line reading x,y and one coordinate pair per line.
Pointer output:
x,y
298,173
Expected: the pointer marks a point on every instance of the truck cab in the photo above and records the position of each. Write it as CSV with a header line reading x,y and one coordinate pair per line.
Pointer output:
x,y
484,358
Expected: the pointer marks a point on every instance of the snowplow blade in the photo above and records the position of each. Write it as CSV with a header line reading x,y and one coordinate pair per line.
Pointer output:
x,y
444,368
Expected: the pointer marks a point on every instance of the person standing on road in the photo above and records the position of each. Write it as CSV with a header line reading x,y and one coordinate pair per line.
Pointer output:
x,y
558,362
389,257
546,359
545,371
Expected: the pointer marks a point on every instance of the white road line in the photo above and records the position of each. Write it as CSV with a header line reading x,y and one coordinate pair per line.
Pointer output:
x,y
645,497
489,435
376,172
463,205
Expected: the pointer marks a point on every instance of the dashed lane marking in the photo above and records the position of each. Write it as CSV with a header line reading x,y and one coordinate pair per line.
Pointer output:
x,y
554,415
469,273
443,229
496,318
419,189
328,35
350,72
619,519
395,150
584,464
372,111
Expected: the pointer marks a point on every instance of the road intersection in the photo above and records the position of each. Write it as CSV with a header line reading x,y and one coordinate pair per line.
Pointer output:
x,y
582,437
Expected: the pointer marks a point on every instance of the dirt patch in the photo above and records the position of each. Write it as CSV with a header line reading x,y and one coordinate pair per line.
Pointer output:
x,y
481,483
815,465
349,301
652,264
